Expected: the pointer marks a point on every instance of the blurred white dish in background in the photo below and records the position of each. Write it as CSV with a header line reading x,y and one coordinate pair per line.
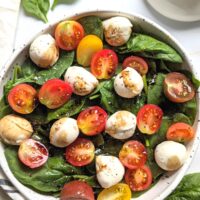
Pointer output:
x,y
180,10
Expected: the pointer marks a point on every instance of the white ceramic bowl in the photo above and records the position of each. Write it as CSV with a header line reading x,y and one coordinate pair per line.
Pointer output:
x,y
170,180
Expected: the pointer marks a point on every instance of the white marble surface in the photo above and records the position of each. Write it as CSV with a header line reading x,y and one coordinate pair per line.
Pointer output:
x,y
187,34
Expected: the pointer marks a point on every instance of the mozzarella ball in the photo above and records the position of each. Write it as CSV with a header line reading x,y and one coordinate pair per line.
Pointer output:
x,y
117,30
128,83
44,51
14,129
109,169
121,125
82,81
63,132
170,155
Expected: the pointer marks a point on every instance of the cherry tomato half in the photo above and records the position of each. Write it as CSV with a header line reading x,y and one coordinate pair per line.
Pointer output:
x,y
80,152
104,64
149,118
180,132
87,47
133,154
139,179
77,190
68,34
22,98
137,63
118,191
32,153
54,93
92,120
178,88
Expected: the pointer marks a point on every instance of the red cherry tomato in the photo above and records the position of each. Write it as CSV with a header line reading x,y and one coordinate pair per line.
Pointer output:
x,y
139,179
77,190
104,64
178,88
54,93
133,154
22,98
68,34
32,153
80,152
149,118
137,63
180,132
92,121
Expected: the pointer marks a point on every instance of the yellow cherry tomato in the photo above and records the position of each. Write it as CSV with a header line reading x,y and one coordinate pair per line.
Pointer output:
x,y
119,191
87,47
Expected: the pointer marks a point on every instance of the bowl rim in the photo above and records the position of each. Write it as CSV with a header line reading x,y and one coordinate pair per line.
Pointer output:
x,y
88,12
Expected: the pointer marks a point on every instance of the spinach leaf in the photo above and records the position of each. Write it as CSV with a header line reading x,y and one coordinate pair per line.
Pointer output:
x,y
150,47
155,91
160,136
72,107
188,188
108,96
5,110
55,2
180,117
65,61
92,25
37,8
47,179
29,68
189,108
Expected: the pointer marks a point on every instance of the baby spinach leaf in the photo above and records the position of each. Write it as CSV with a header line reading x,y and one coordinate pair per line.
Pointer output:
x,y
50,177
72,107
180,117
28,68
150,47
155,91
37,8
188,188
5,110
55,2
92,25
65,61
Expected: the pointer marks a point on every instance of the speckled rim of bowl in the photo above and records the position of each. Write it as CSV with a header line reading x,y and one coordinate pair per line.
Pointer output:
x,y
170,180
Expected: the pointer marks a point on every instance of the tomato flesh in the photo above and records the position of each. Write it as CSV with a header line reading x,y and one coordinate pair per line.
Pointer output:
x,y
87,47
68,34
22,98
133,154
137,63
139,179
80,152
118,191
180,132
54,93
178,88
104,64
149,118
92,121
32,153
77,190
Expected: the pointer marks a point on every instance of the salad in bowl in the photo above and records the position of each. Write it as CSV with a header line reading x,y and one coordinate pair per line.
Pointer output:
x,y
98,108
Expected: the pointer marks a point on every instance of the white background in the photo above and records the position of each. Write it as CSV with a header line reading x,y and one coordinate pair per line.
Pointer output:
x,y
187,33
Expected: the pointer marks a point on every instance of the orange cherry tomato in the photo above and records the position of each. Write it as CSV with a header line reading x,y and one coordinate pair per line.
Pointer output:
x,y
77,190
133,154
22,98
54,93
104,64
149,118
139,179
180,132
32,153
80,152
92,120
137,63
87,47
178,88
68,34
